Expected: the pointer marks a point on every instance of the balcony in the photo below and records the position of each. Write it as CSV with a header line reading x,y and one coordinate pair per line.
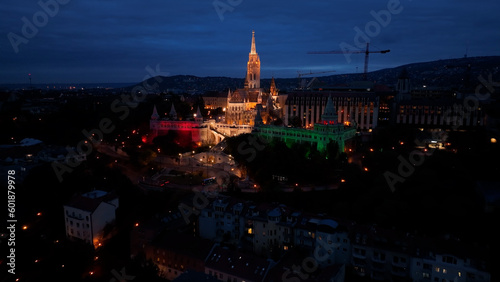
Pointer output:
x,y
358,262
379,259
359,253
398,271
400,264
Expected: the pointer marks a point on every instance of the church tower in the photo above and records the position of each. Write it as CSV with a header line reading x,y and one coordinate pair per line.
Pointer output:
x,y
329,115
273,91
252,79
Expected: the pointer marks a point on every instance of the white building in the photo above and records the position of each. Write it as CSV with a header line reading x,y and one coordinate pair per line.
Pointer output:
x,y
445,267
87,215
222,220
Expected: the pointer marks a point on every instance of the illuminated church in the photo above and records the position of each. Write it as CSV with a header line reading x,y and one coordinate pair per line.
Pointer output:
x,y
243,104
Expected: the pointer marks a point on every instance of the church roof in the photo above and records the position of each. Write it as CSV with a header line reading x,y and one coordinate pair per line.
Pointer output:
x,y
329,108
329,114
241,95
155,113
172,111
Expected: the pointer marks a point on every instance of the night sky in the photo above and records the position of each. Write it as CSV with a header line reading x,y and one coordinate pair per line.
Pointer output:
x,y
114,41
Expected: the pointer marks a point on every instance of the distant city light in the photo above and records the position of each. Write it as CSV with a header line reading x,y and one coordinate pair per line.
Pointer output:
x,y
493,140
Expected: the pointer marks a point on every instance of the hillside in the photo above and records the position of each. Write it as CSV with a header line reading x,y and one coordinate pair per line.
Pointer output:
x,y
455,73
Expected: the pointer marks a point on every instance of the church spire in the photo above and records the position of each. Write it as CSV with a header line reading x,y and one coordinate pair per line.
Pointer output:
x,y
252,79
273,91
173,113
253,50
329,115
198,117
155,114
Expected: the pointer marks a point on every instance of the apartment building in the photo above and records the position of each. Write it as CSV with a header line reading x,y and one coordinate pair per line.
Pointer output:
x,y
87,215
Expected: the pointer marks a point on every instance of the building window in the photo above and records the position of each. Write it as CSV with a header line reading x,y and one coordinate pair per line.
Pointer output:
x,y
437,269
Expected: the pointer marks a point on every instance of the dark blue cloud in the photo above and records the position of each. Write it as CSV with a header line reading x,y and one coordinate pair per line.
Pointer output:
x,y
114,41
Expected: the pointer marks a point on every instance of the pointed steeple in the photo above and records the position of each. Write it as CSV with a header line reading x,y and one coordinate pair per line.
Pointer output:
x,y
273,90
198,117
252,79
329,114
173,113
155,115
253,50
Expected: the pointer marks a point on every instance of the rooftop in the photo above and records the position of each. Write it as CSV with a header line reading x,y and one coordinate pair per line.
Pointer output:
x,y
244,266
91,200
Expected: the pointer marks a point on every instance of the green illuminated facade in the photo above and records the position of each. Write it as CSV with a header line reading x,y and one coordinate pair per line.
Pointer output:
x,y
329,129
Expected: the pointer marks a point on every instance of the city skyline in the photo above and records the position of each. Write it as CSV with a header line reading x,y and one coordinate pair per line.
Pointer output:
x,y
70,42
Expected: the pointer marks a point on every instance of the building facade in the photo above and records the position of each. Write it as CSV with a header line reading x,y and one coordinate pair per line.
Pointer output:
x,y
431,107
355,105
327,129
87,215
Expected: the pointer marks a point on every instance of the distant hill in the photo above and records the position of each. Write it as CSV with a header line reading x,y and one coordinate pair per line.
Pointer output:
x,y
455,73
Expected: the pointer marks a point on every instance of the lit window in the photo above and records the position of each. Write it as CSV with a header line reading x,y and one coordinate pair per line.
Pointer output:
x,y
437,269
444,270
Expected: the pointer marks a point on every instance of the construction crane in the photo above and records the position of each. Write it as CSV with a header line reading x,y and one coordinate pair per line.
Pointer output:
x,y
367,53
299,75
